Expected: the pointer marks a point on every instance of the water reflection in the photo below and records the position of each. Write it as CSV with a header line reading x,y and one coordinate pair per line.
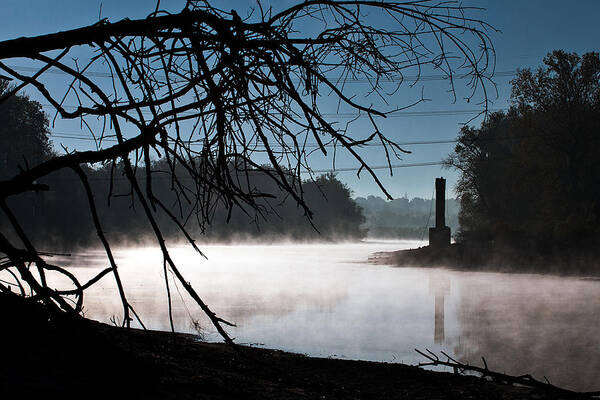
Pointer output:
x,y
439,286
546,326
321,300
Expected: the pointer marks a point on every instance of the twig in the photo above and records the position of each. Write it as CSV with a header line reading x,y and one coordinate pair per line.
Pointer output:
x,y
524,380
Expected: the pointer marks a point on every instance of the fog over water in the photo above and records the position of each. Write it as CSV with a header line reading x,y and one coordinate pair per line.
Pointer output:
x,y
325,300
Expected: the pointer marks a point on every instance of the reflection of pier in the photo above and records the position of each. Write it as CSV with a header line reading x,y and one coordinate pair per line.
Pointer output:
x,y
439,286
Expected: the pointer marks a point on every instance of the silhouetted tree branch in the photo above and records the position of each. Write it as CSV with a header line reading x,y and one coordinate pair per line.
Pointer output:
x,y
486,373
218,97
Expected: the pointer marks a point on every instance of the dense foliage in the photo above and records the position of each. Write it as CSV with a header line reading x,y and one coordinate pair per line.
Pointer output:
x,y
59,219
530,176
23,132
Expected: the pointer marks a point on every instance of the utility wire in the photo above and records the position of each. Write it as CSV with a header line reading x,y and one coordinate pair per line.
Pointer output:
x,y
408,78
393,166
397,114
312,171
428,217
308,145
83,136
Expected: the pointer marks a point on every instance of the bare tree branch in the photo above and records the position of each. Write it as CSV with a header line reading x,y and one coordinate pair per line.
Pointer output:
x,y
220,98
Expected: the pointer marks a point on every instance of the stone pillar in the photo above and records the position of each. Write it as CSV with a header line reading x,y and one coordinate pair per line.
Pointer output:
x,y
440,202
440,235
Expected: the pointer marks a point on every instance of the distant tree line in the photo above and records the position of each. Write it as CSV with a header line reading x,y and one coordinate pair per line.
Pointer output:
x,y
530,177
403,218
59,218
59,221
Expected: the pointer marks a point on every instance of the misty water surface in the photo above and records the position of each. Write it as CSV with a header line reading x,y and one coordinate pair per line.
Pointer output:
x,y
325,300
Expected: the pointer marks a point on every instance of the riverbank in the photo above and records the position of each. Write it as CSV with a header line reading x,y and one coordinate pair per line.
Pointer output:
x,y
478,258
47,355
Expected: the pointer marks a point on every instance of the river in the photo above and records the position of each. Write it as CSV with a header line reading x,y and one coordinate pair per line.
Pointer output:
x,y
326,300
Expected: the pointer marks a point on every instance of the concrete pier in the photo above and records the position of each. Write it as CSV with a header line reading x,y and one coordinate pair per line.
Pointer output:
x,y
439,236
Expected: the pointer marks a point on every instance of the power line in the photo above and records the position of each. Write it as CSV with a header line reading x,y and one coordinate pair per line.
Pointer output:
x,y
398,114
308,145
408,78
77,136
428,217
349,169
312,171
393,166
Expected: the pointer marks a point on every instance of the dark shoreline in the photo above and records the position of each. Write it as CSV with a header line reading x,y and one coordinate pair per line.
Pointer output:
x,y
49,355
478,259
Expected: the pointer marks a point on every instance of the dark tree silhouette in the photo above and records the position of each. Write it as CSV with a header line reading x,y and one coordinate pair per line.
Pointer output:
x,y
23,133
219,96
529,177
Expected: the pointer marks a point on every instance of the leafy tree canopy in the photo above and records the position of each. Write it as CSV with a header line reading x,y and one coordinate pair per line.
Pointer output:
x,y
530,175
23,132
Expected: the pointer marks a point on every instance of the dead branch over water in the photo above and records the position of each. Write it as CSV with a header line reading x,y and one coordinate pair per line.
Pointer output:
x,y
485,373
219,97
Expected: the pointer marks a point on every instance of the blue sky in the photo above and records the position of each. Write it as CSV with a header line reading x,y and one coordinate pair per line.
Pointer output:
x,y
529,30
